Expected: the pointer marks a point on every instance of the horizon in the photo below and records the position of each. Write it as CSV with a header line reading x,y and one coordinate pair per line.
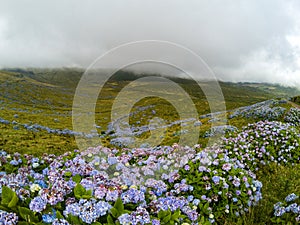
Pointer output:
x,y
145,73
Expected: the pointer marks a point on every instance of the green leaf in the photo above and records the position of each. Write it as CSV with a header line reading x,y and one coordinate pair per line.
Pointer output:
x,y
23,223
110,220
14,201
167,219
74,219
86,196
175,216
58,215
68,174
89,192
40,223
7,195
96,223
27,214
2,207
76,178
119,206
114,212
171,222
79,191
58,206
206,223
162,214
206,206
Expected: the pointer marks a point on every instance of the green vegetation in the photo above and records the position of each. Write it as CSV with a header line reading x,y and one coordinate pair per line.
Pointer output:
x,y
45,97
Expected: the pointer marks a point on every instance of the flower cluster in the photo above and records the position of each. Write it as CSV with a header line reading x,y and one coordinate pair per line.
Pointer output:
x,y
8,218
82,187
87,184
38,127
60,222
146,185
220,130
220,184
287,211
139,216
132,196
293,116
264,142
264,110
88,210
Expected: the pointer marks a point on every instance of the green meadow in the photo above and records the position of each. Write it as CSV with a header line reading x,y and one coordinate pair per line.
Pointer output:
x,y
45,97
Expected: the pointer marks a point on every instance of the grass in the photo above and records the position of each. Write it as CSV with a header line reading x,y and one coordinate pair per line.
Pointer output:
x,y
45,97
278,182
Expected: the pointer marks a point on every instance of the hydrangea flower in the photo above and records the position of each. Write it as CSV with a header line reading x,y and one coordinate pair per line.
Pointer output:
x,y
60,222
8,218
37,204
132,196
291,197
88,210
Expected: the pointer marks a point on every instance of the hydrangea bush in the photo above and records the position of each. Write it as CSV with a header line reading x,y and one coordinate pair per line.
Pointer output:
x,y
264,142
132,186
288,211
293,116
221,186
160,185
270,110
219,130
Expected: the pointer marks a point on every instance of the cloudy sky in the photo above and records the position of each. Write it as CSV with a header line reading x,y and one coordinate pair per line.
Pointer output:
x,y
253,40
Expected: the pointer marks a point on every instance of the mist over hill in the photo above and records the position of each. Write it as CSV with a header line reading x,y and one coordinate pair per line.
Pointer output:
x,y
69,78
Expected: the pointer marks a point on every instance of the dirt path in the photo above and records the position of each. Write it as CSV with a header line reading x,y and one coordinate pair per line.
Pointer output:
x,y
294,104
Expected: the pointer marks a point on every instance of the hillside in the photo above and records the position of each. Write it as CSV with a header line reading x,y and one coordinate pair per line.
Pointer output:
x,y
44,97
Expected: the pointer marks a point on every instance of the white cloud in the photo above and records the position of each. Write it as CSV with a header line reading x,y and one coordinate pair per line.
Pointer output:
x,y
240,40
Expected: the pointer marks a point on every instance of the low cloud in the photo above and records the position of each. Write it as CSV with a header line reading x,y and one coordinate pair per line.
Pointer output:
x,y
240,40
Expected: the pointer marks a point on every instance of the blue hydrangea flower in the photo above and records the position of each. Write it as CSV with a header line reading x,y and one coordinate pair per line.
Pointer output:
x,y
37,204
8,218
60,222
279,211
14,162
216,179
291,197
124,219
132,196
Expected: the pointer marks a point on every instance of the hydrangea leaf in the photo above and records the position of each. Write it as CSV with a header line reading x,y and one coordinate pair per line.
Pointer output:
x,y
86,196
23,223
166,219
58,215
74,219
14,201
119,206
76,178
9,197
27,214
175,216
114,212
79,191
110,220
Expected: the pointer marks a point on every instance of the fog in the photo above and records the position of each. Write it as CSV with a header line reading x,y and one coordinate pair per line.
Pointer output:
x,y
256,40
